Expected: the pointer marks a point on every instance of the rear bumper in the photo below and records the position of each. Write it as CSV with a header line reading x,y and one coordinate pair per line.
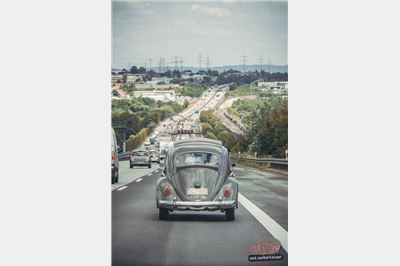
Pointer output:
x,y
197,205
140,163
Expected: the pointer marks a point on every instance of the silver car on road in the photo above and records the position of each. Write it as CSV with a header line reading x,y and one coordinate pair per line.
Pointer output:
x,y
140,158
197,176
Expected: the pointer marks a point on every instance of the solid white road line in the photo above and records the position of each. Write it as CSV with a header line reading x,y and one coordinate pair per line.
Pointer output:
x,y
273,227
121,188
138,180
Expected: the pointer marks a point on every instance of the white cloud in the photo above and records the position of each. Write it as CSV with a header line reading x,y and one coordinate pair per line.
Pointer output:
x,y
211,11
195,6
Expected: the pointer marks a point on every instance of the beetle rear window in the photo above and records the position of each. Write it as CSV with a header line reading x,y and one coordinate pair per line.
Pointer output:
x,y
197,158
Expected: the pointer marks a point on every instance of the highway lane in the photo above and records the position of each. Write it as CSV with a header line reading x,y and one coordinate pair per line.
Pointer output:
x,y
194,238
268,190
127,175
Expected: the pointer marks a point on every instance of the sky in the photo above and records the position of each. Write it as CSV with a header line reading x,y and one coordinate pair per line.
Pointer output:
x,y
223,31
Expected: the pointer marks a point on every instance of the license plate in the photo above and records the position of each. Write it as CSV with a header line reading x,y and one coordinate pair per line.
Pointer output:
x,y
197,191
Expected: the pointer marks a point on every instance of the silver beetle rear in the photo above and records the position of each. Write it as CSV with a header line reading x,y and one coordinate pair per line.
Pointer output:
x,y
197,176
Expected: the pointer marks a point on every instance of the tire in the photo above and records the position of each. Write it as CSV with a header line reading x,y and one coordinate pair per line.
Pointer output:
x,y
149,165
163,213
117,177
230,214
112,179
130,166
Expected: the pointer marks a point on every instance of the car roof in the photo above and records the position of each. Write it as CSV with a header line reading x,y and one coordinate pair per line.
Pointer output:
x,y
197,141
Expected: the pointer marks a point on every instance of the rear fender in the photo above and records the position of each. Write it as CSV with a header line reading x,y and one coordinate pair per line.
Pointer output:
x,y
234,186
161,182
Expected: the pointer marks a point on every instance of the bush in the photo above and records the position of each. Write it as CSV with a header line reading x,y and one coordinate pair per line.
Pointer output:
x,y
135,141
192,90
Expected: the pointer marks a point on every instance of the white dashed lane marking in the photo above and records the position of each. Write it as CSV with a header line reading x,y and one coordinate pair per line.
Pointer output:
x,y
122,188
138,180
149,174
273,227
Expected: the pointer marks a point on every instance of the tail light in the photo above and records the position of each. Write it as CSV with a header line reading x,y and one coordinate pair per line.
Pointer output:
x,y
227,192
112,156
167,190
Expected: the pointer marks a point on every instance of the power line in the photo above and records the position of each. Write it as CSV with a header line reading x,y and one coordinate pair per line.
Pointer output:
x,y
208,63
199,60
181,63
244,63
261,63
160,65
176,62
166,65
269,66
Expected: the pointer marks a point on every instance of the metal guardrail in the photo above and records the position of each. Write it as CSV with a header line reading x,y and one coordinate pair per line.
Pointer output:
x,y
123,156
262,160
281,164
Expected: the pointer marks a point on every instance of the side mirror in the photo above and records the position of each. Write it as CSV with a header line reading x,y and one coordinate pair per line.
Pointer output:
x,y
233,164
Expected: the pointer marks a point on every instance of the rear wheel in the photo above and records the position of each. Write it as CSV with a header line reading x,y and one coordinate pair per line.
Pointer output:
x,y
230,214
116,176
162,213
131,166
149,165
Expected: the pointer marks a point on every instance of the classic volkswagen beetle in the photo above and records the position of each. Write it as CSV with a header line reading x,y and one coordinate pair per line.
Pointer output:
x,y
197,176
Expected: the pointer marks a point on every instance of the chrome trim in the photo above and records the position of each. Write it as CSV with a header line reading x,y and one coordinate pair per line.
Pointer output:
x,y
196,205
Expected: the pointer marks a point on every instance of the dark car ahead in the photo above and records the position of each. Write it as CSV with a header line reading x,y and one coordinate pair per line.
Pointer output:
x,y
163,153
197,176
140,158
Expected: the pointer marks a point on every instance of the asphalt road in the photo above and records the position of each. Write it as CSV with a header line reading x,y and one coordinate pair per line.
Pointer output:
x,y
127,175
193,238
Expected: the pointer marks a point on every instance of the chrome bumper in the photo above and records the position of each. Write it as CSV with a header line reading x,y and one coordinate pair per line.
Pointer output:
x,y
197,205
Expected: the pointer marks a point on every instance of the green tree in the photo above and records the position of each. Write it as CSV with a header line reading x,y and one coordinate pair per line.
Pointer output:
x,y
210,135
134,70
115,93
141,70
270,131
206,127
186,103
